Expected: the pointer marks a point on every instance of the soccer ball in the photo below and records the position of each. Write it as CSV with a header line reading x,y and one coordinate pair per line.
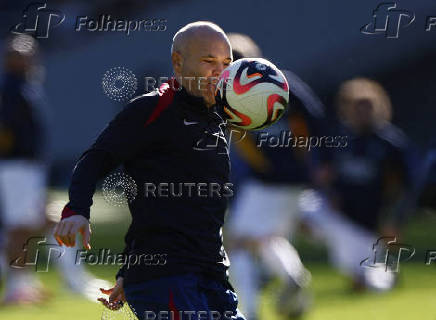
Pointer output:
x,y
253,93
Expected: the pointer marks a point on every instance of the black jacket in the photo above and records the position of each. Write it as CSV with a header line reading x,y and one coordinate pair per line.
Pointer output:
x,y
167,140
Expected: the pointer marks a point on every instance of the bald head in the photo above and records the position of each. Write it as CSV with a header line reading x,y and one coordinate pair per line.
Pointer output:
x,y
199,53
196,31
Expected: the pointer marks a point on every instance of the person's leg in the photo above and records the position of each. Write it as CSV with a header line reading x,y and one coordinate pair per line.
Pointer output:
x,y
22,192
264,216
246,223
244,273
284,261
276,251
348,244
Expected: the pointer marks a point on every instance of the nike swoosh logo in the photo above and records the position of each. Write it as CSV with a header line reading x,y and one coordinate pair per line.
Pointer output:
x,y
188,123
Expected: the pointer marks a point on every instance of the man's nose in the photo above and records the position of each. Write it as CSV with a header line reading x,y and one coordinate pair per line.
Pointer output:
x,y
219,67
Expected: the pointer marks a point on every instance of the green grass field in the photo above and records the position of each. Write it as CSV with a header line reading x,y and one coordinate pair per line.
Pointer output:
x,y
414,298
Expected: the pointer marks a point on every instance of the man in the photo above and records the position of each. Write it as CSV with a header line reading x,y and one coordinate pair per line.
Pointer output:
x,y
24,164
426,181
265,211
364,186
162,139
22,168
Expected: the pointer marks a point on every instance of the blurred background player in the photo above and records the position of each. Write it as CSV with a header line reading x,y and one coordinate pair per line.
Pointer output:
x,y
426,185
24,166
265,210
363,185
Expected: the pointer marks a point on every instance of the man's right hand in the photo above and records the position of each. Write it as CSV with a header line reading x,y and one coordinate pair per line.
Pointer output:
x,y
116,295
67,229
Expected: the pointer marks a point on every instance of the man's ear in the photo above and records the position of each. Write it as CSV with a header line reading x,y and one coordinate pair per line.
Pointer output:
x,y
177,61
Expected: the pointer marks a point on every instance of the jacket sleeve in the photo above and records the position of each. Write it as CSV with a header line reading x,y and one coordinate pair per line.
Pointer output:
x,y
126,135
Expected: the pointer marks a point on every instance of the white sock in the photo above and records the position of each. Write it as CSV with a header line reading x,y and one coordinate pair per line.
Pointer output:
x,y
282,259
67,265
244,275
20,279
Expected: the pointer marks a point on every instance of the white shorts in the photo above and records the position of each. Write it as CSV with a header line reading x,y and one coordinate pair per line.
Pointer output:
x,y
348,243
22,193
264,210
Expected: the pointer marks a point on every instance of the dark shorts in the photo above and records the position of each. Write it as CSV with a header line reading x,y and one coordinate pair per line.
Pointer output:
x,y
189,296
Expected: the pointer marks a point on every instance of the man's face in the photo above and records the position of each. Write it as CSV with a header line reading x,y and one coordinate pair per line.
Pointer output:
x,y
362,115
204,60
17,63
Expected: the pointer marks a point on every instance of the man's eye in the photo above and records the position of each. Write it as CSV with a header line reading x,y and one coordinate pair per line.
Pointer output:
x,y
208,61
